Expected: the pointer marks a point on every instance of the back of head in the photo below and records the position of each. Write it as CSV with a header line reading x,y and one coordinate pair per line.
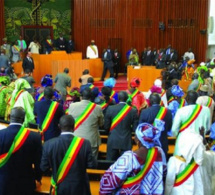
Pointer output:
x,y
17,115
191,97
174,82
86,94
154,98
106,91
67,123
123,96
195,76
86,71
66,70
48,93
90,80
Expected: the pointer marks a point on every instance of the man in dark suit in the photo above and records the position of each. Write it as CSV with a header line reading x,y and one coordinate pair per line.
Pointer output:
x,y
61,43
76,181
28,63
17,177
41,109
148,116
70,45
172,57
161,59
107,58
120,138
149,57
116,62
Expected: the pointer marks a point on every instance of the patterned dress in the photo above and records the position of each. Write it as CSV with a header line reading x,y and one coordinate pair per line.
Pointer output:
x,y
128,165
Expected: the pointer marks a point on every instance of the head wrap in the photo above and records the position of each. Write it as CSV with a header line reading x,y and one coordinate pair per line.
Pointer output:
x,y
177,91
135,82
204,88
202,64
158,83
190,62
47,81
110,82
4,80
19,85
156,89
148,135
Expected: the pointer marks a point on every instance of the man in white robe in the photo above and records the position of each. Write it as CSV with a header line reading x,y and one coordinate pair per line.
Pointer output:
x,y
92,51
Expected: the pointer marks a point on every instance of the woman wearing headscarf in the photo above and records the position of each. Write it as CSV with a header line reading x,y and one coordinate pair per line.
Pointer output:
x,y
138,172
176,101
4,82
22,98
46,81
191,168
136,98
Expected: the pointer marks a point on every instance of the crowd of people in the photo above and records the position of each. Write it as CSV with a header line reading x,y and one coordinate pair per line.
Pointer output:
x,y
69,124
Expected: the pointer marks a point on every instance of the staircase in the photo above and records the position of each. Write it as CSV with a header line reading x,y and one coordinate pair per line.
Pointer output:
x,y
121,84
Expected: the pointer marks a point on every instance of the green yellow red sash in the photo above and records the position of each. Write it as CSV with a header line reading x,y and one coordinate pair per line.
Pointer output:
x,y
91,86
16,48
186,173
112,94
135,92
18,94
2,87
67,162
117,119
182,103
49,42
163,92
93,48
41,96
48,118
161,114
67,111
192,117
209,102
87,111
150,159
16,145
171,99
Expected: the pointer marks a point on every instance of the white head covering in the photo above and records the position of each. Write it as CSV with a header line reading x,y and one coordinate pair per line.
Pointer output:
x,y
158,83
202,64
190,146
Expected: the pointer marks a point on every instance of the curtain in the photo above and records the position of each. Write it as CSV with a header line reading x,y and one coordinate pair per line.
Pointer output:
x,y
2,24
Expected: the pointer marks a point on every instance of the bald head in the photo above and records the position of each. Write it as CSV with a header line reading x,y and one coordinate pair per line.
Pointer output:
x,y
17,115
123,96
67,123
154,98
191,97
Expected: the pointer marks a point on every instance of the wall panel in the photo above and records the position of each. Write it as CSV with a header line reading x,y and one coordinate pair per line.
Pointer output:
x,y
135,23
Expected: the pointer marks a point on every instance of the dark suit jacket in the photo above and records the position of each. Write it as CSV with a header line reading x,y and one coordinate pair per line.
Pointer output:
x,y
70,46
27,64
116,58
40,110
108,60
17,176
120,136
148,116
61,44
149,58
172,57
76,181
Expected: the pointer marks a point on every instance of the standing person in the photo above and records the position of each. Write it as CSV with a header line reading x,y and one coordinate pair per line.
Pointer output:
x,y
120,121
28,63
116,61
63,80
61,43
193,116
88,118
205,100
23,46
17,175
92,51
136,98
28,77
34,47
84,77
195,84
172,57
48,112
15,52
6,47
149,57
56,151
70,45
161,59
189,55
48,45
138,172
143,56
154,112
107,58
4,61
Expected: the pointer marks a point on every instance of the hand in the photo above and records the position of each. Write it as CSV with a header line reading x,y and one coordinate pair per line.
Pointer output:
x,y
202,131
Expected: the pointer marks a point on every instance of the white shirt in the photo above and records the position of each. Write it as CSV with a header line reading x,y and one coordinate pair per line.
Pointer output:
x,y
190,55
34,47
90,53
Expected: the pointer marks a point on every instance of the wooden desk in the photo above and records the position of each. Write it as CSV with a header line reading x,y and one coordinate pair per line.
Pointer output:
x,y
148,74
